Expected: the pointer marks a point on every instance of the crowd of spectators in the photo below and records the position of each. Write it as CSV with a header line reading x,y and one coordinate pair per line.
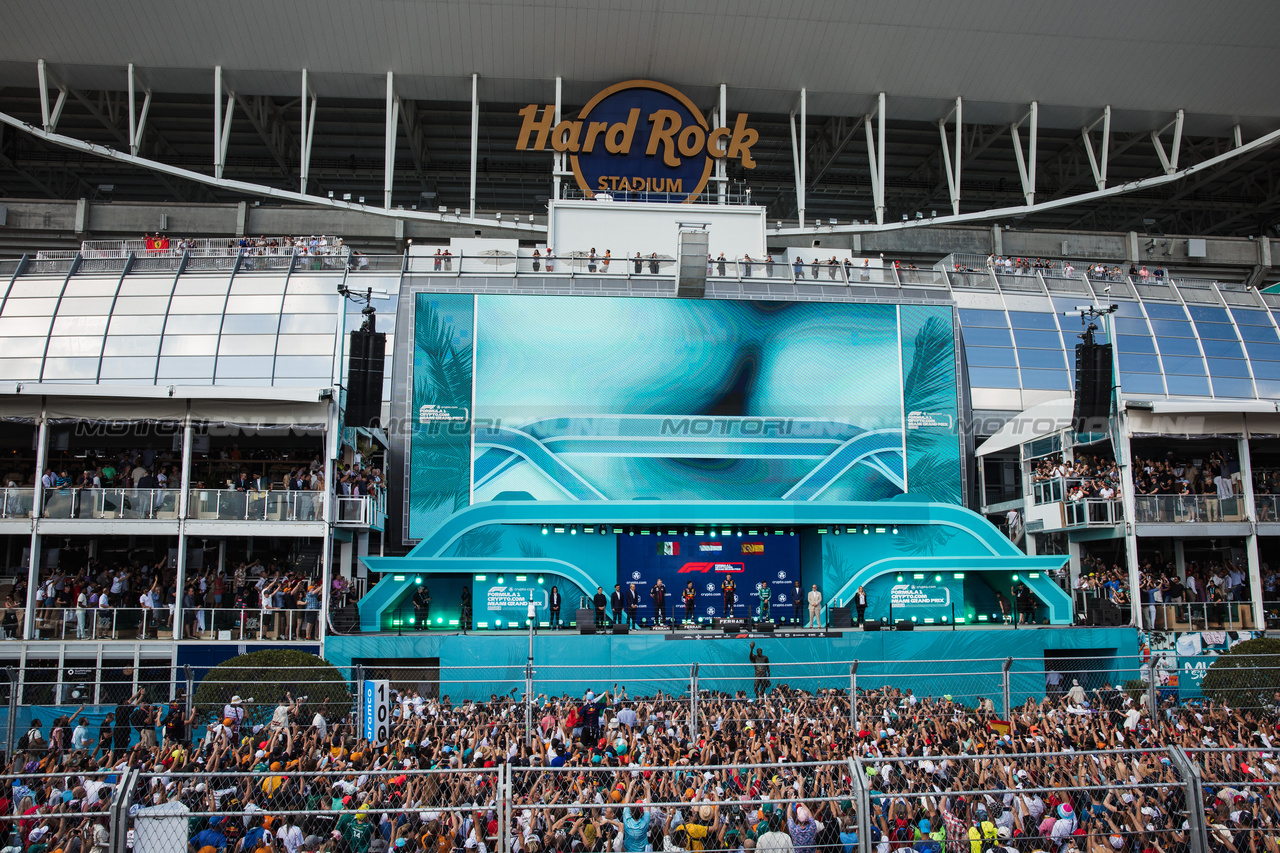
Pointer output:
x,y
114,599
1206,591
607,772
1217,474
1085,476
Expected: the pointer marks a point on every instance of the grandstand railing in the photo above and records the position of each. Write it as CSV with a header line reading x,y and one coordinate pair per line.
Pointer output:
x,y
1266,507
361,510
1093,512
111,503
17,502
233,505
1172,509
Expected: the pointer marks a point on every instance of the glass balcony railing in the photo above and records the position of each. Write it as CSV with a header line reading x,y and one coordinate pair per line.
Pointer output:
x,y
232,505
1094,512
137,623
1172,509
1266,507
111,503
17,502
361,510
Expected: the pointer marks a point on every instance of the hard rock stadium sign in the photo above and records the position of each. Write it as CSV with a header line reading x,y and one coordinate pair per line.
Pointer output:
x,y
638,137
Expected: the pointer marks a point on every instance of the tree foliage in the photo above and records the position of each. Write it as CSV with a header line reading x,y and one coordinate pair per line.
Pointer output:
x,y
1246,676
262,679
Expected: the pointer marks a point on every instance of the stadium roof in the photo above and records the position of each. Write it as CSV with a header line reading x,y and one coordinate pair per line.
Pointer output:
x,y
1146,60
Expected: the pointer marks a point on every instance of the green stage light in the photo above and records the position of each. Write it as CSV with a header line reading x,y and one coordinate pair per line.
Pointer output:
x,y
410,620
899,578
1015,577
418,580
500,579
937,578
480,577
541,578
573,530
545,530
497,623
521,578
439,620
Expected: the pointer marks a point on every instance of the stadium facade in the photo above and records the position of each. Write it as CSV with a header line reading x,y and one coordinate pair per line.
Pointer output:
x,y
707,324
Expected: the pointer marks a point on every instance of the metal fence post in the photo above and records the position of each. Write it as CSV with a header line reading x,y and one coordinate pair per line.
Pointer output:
x,y
1194,792
121,800
693,699
1153,694
858,775
853,693
11,725
191,687
504,805
1004,684
528,702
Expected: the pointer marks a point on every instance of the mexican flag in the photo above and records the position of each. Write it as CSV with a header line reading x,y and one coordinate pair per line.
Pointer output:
x,y
669,549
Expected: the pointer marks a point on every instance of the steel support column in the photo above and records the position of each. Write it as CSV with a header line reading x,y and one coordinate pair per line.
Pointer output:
x,y
49,116
308,129
1027,167
1170,160
475,137
722,172
389,150
952,168
1099,169
221,123
875,155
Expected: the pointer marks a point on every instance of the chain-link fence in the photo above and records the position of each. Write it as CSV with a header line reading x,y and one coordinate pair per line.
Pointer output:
x,y
1089,801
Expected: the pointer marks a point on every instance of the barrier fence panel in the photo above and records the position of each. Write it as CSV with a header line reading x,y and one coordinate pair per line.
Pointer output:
x,y
66,810
274,805
712,806
1123,800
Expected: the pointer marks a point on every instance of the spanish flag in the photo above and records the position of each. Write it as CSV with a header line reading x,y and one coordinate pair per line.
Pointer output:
x,y
1000,727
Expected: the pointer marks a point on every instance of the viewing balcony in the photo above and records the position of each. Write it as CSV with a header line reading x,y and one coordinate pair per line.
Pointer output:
x,y
232,505
361,511
137,623
1093,512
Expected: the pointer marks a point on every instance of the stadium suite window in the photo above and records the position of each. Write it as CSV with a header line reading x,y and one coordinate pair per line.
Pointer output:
x,y
1141,364
986,337
993,377
1050,359
1045,380
1135,344
1229,367
1231,387
990,357
1032,320
1141,383
1188,386
982,317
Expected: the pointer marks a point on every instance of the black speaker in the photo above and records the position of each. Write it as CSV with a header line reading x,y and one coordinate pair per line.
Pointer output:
x,y
840,617
619,628
906,625
364,379
586,619
733,626
871,625
1093,387
764,628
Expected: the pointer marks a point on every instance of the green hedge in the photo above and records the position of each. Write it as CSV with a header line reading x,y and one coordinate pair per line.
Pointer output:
x,y
265,677
1247,676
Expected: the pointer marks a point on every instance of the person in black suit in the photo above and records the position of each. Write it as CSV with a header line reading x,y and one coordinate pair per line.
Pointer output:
x,y
553,603
599,603
658,592
860,603
422,608
727,590
797,604
615,603
631,599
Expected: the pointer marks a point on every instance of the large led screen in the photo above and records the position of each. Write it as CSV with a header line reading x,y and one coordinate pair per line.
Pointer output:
x,y
605,399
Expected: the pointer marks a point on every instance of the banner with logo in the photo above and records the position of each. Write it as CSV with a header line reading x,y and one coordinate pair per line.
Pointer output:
x,y
498,598
707,560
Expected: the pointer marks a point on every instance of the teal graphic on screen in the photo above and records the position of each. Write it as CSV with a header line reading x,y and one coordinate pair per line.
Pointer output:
x,y
585,398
